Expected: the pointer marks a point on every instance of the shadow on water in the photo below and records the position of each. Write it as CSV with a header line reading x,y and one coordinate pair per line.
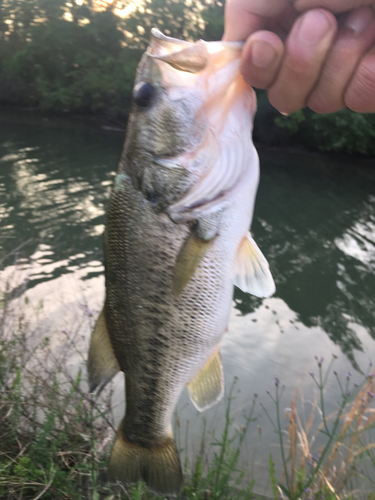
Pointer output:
x,y
314,220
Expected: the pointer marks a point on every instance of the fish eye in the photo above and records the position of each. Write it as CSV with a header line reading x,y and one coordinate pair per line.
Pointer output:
x,y
144,94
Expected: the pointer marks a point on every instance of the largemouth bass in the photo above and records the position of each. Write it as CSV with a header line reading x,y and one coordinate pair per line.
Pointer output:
x,y
176,240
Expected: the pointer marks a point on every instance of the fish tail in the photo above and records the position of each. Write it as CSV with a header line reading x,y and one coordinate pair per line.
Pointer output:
x,y
158,466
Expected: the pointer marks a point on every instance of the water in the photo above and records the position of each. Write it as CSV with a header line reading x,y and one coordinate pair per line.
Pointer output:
x,y
314,221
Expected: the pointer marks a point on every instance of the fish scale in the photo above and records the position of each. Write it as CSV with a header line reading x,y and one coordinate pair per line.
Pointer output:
x,y
174,325
176,240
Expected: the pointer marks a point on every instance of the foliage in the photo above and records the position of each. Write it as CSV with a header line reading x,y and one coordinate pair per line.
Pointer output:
x,y
67,57
60,65
343,131
81,56
176,18
213,16
49,436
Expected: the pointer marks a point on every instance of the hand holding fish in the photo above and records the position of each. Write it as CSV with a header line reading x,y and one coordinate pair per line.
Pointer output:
x,y
319,54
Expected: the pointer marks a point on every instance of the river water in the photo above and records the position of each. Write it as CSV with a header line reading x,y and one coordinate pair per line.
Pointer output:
x,y
314,221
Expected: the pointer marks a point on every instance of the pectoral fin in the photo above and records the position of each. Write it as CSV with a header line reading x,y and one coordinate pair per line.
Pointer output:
x,y
207,388
252,273
102,363
191,253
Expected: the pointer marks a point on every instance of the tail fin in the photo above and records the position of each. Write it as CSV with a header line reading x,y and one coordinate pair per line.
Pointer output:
x,y
158,466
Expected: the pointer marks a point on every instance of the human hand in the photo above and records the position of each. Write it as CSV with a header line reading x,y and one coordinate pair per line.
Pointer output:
x,y
304,55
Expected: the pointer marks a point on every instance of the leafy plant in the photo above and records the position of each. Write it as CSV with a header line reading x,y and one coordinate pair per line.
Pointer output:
x,y
343,131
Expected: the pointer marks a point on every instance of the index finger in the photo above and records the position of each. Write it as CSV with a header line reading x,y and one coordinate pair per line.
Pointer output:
x,y
244,17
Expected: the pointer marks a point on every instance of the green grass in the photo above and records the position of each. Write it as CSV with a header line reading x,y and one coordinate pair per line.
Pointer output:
x,y
55,438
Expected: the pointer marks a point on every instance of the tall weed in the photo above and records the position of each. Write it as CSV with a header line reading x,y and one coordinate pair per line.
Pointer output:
x,y
335,469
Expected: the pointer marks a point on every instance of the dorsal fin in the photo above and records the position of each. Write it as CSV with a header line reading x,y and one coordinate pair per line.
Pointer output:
x,y
161,44
192,59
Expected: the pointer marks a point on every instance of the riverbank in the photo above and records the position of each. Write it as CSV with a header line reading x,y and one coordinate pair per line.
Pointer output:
x,y
56,438
268,133
17,114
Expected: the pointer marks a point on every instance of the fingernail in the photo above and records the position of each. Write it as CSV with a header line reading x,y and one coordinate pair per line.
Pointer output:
x,y
313,27
262,54
359,20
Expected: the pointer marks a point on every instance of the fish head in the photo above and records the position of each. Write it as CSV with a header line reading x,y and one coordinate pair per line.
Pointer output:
x,y
165,105
183,101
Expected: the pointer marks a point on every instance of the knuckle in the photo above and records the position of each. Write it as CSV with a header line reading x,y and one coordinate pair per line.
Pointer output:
x,y
298,65
361,92
284,103
258,79
321,105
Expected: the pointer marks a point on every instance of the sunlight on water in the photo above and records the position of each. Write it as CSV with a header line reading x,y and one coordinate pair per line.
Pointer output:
x,y
359,242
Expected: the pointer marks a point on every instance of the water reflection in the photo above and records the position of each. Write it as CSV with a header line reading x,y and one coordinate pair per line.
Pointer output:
x,y
54,182
313,222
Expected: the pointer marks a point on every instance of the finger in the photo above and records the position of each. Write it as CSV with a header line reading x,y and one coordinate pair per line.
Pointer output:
x,y
285,19
360,95
261,58
355,37
332,5
305,51
243,17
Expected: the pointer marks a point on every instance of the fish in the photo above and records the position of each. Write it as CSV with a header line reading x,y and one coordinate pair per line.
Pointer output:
x,y
176,241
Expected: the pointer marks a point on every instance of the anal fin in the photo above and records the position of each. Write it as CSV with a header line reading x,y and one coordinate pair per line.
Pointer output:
x,y
207,388
252,272
102,363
